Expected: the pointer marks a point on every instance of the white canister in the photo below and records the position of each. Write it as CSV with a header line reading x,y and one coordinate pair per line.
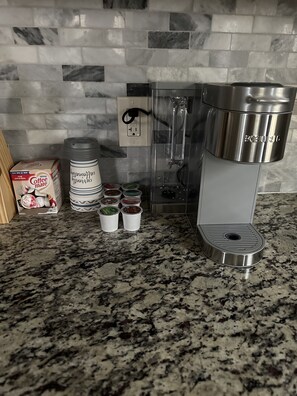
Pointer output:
x,y
85,177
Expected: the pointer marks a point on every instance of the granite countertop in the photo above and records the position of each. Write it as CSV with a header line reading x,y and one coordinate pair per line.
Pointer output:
x,y
89,313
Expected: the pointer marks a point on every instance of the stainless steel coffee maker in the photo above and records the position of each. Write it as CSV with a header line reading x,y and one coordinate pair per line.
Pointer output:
x,y
243,125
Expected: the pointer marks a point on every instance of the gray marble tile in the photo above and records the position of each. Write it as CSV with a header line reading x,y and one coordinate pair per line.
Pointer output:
x,y
104,90
83,73
256,7
294,48
15,137
125,74
246,74
147,20
105,122
59,55
283,76
283,43
32,3
188,57
85,105
79,4
268,59
295,26
6,35
167,74
286,7
168,40
139,158
65,121
18,54
282,25
35,36
92,37
102,19
126,4
232,23
22,121
103,56
294,136
47,136
215,6
271,186
42,105
55,17
113,169
211,41
40,72
8,72
111,106
228,58
33,151
288,187
144,178
19,89
190,22
147,57
108,138
16,17
207,74
292,61
138,89
10,106
112,152
132,38
251,42
171,5
62,89
115,38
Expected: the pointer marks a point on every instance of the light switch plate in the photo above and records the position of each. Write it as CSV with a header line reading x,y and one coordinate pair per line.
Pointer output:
x,y
137,133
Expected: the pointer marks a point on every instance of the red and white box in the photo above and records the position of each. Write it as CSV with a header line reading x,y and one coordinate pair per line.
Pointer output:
x,y
37,186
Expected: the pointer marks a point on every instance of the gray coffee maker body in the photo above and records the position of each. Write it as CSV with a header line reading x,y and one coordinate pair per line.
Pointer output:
x,y
243,125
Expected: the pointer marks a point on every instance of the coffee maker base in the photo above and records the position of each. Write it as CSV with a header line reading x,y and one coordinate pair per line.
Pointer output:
x,y
234,245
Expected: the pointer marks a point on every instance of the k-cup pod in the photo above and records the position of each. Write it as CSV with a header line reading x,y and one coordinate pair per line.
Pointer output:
x,y
113,194
111,186
130,186
109,218
109,202
131,201
132,193
131,217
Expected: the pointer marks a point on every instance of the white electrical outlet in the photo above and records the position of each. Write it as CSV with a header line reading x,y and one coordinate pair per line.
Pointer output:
x,y
137,133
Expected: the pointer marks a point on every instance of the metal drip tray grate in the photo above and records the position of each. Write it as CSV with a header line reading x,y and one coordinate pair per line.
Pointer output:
x,y
232,244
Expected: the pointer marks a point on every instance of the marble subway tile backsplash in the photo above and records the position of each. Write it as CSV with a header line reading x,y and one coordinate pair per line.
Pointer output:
x,y
63,63
35,36
83,73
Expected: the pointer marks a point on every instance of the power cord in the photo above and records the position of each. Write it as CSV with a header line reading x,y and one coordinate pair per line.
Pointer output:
x,y
133,113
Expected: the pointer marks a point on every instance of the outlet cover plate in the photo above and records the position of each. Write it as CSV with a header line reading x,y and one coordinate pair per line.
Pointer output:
x,y
139,132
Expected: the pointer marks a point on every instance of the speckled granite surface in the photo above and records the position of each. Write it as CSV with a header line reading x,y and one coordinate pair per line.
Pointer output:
x,y
87,313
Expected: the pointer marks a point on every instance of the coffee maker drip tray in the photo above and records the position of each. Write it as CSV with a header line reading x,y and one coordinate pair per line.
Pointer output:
x,y
235,245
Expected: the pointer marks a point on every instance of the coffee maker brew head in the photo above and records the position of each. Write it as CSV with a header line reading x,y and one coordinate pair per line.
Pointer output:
x,y
248,122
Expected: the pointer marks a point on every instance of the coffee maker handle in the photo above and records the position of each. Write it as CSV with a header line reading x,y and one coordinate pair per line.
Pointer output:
x,y
252,99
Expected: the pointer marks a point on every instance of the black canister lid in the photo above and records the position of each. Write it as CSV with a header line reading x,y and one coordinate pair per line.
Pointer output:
x,y
81,149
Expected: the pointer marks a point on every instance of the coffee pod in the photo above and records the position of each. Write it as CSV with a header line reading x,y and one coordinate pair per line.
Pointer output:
x,y
131,217
109,218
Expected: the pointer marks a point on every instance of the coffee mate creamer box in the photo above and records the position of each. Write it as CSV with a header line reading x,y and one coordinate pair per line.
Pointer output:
x,y
37,186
